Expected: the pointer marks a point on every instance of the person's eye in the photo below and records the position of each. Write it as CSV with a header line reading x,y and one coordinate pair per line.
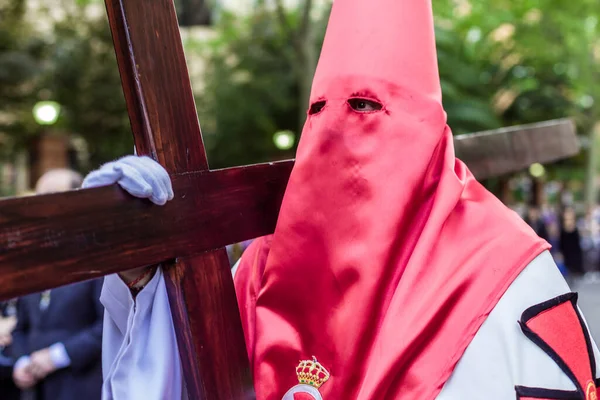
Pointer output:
x,y
364,105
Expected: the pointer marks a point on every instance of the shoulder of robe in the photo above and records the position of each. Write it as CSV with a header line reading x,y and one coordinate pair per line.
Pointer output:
x,y
249,269
256,254
247,280
534,344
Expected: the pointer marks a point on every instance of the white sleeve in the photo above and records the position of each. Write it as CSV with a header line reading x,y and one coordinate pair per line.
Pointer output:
x,y
140,359
235,267
500,356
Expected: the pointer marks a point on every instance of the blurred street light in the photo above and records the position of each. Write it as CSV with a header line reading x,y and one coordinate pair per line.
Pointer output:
x,y
284,140
537,170
474,35
46,112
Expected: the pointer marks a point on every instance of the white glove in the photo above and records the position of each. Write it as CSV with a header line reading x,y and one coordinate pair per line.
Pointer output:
x,y
140,176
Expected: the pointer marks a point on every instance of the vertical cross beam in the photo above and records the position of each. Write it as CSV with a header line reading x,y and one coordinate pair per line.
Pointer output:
x,y
165,126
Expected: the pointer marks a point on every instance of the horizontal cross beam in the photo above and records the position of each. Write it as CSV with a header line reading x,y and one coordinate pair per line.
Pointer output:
x,y
75,232
502,151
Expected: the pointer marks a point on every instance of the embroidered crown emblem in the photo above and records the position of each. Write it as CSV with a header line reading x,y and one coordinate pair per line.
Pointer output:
x,y
311,372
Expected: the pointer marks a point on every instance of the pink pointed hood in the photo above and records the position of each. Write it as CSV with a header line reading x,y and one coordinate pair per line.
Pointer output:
x,y
388,255
385,40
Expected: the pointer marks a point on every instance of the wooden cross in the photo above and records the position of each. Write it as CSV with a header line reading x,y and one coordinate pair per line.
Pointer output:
x,y
52,240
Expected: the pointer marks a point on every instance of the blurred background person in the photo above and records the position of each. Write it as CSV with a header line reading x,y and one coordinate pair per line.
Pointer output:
x,y
8,320
58,333
535,220
554,230
570,244
590,230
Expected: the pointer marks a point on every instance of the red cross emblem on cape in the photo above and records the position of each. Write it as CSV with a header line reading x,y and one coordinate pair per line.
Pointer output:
x,y
556,326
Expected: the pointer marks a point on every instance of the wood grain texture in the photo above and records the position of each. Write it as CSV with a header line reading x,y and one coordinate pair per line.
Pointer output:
x,y
156,83
214,334
165,126
502,151
50,240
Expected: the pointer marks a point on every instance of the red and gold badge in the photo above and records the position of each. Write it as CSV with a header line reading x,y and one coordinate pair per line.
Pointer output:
x,y
311,376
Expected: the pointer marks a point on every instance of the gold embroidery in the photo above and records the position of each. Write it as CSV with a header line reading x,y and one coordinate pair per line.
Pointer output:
x,y
311,372
591,392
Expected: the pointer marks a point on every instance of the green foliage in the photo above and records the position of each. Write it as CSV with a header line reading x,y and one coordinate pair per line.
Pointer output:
x,y
251,90
501,63
464,79
252,86
84,78
540,60
21,56
72,63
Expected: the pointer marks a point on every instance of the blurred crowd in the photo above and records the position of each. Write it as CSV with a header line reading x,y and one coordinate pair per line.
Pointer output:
x,y
575,238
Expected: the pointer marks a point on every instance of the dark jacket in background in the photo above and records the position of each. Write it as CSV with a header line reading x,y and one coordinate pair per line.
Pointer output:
x,y
570,247
74,318
8,390
539,227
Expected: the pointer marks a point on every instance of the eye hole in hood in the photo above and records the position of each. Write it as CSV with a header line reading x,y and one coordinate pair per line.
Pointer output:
x,y
364,105
316,107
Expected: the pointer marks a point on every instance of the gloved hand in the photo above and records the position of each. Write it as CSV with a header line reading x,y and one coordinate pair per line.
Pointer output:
x,y
139,176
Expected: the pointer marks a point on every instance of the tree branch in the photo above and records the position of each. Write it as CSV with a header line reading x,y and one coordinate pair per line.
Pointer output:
x,y
282,18
305,21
